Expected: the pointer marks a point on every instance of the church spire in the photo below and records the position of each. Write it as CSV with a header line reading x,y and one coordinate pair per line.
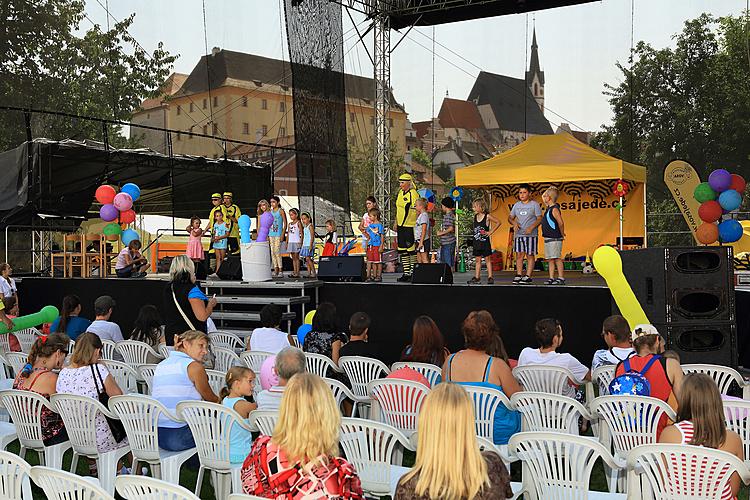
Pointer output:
x,y
535,75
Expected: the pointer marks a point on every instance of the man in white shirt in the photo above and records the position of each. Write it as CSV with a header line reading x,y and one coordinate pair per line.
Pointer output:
x,y
616,333
289,362
269,338
102,326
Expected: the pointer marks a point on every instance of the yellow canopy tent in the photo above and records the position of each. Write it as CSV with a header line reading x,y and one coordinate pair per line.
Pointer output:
x,y
585,178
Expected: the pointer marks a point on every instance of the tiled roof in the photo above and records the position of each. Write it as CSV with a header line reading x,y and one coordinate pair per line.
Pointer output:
x,y
455,113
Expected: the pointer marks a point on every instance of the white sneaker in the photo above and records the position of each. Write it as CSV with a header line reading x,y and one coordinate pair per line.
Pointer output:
x,y
213,276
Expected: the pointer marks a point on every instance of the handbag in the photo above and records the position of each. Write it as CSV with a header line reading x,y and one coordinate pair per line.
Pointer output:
x,y
210,360
115,425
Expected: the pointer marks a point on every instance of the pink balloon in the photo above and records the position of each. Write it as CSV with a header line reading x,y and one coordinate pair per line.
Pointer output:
x,y
123,201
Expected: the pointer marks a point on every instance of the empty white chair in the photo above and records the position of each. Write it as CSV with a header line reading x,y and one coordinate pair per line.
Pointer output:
x,y
146,374
320,364
136,353
544,378
544,412
217,380
226,340
14,477
431,372
210,424
226,358
737,418
124,374
25,409
486,401
340,392
148,488
264,421
682,471
254,359
16,360
558,465
400,402
140,417
26,338
164,350
61,485
375,450
108,349
722,375
79,414
361,371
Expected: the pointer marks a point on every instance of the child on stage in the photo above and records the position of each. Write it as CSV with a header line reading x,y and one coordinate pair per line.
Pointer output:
x,y
331,242
221,233
294,240
553,232
483,230
308,244
422,232
374,246
195,247
447,233
525,216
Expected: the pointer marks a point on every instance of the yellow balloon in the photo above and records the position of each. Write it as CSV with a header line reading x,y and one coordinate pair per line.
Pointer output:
x,y
608,264
309,317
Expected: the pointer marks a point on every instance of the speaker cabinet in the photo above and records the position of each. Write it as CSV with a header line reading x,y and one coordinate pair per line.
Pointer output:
x,y
343,268
231,268
433,274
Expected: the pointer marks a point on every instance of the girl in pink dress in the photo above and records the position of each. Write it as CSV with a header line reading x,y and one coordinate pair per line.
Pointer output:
x,y
194,246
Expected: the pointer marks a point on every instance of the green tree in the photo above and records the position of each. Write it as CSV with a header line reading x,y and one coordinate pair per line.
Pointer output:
x,y
362,173
44,64
419,156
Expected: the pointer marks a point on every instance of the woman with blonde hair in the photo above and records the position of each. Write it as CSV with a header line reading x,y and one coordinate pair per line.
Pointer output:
x,y
300,459
185,306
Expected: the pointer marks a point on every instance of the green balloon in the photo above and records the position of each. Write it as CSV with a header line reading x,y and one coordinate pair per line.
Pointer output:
x,y
704,193
112,229
48,314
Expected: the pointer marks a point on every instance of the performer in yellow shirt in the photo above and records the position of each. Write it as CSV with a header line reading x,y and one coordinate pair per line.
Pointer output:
x,y
406,219
232,214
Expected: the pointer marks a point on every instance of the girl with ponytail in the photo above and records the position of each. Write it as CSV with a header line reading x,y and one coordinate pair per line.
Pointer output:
x,y
69,322
48,353
239,385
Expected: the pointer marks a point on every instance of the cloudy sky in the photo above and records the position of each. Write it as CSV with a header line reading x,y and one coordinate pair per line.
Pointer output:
x,y
578,45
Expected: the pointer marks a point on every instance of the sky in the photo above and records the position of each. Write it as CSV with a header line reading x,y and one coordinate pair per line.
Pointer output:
x,y
578,45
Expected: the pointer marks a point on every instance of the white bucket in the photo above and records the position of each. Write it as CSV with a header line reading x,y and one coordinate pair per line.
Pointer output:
x,y
256,261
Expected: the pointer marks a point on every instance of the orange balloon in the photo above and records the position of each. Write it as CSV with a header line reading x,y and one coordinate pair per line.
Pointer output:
x,y
707,233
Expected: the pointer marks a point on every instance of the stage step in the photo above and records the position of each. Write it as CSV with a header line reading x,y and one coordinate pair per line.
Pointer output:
x,y
247,316
263,300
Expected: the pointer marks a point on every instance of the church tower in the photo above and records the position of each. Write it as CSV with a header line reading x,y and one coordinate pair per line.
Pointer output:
x,y
535,76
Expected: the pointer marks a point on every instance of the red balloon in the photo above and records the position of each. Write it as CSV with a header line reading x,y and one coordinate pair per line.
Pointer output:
x,y
710,211
738,184
127,216
105,194
707,233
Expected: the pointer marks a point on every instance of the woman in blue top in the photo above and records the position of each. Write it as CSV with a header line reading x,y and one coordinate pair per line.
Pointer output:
x,y
474,367
69,322
240,381
277,233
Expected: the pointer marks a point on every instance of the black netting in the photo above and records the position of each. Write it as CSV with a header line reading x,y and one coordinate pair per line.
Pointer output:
x,y
315,35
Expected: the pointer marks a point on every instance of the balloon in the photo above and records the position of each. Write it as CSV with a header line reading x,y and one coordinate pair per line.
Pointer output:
x,y
707,233
268,377
309,317
609,265
302,331
244,223
730,231
112,229
123,202
129,235
703,192
720,180
730,200
105,194
738,183
108,212
48,314
127,216
710,211
131,189
266,221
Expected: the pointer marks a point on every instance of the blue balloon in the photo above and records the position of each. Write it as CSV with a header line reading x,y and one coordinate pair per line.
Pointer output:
x,y
730,231
302,332
129,235
244,223
730,200
133,190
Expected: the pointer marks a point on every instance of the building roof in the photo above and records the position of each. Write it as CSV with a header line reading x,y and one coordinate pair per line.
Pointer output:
x,y
170,87
469,152
455,113
421,128
512,103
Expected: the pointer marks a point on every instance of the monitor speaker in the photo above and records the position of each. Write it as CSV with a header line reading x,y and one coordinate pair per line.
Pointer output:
x,y
432,274
343,268
231,268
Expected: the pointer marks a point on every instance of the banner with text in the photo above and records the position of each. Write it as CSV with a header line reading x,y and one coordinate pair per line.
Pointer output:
x,y
682,179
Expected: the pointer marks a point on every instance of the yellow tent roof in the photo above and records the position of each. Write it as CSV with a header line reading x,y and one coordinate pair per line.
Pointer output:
x,y
548,158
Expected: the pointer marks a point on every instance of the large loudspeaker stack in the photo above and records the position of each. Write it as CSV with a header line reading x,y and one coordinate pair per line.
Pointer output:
x,y
688,294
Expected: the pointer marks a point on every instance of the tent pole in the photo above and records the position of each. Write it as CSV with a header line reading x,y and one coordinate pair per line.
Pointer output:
x,y
620,223
645,219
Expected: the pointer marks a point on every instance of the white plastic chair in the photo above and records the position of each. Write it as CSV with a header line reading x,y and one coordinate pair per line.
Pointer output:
x,y
558,466
630,421
217,380
14,477
227,358
61,485
264,421
375,450
26,338
737,418
210,424
431,372
485,401
400,402
124,374
226,340
146,374
601,376
136,353
340,393
79,414
140,417
25,408
544,412
320,364
109,347
676,471
165,349
361,371
16,360
254,359
722,375
148,488
544,378
4,343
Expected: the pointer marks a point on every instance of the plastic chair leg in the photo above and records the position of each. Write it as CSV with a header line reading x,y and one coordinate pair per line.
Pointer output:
x,y
222,483
236,479
26,489
199,481
74,463
107,463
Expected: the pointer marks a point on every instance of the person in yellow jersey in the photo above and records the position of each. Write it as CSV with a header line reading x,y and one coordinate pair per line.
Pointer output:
x,y
233,213
217,205
406,218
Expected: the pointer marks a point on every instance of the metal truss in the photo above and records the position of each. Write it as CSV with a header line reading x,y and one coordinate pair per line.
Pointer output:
x,y
382,150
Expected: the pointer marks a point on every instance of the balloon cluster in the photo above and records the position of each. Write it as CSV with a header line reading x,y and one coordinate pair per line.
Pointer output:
x,y
720,195
118,206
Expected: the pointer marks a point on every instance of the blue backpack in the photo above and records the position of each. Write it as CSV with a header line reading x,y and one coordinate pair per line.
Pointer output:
x,y
632,382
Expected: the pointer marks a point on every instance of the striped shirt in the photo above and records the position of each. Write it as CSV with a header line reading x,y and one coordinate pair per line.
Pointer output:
x,y
172,385
686,430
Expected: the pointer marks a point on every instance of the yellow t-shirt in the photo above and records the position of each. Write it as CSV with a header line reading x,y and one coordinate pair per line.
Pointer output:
x,y
233,211
406,207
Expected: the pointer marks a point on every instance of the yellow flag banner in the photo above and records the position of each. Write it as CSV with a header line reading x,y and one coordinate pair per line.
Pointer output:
x,y
682,179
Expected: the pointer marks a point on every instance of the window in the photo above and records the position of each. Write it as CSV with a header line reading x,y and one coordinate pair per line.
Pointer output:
x,y
245,128
214,129
179,110
536,89
372,120
191,107
190,133
244,101
216,101
390,122
205,103
264,104
282,131
352,117
205,129
264,129
179,138
282,106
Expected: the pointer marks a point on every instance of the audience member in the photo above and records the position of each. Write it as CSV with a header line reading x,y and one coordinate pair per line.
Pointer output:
x,y
664,376
102,326
9,312
8,322
7,284
701,422
616,334
185,306
147,327
427,343
69,322
325,337
289,362
239,385
269,338
181,377
473,366
301,458
448,412
359,341
47,354
549,334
